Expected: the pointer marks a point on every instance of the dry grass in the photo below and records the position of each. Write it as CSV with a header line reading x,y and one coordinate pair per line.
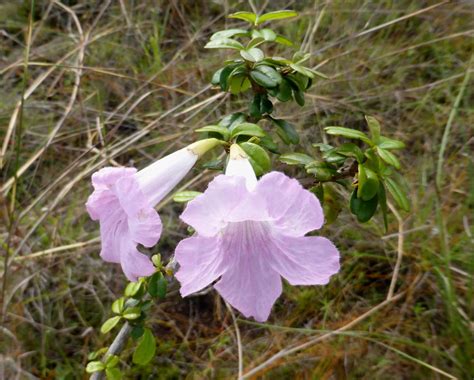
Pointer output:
x,y
86,84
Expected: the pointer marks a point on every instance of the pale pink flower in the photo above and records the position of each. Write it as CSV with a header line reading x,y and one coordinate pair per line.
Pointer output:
x,y
250,234
123,202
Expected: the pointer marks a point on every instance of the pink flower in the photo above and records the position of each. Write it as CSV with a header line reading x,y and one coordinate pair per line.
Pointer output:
x,y
123,202
250,234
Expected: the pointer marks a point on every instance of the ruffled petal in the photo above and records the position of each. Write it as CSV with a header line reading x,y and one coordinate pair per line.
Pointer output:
x,y
108,176
143,221
308,260
200,261
293,209
134,263
112,226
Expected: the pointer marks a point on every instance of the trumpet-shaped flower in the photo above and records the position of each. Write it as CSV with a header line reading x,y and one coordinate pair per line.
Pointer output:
x,y
250,234
123,202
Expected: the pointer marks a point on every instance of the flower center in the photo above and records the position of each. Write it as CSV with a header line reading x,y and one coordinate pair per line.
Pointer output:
x,y
246,238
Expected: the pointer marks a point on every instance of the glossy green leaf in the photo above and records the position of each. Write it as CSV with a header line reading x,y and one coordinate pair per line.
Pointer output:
x,y
363,210
132,313
157,285
266,76
374,128
224,43
368,186
283,41
224,77
228,33
398,194
109,324
300,57
246,16
347,132
268,34
388,157
268,143
276,15
112,361
146,348
248,129
386,143
118,305
132,288
113,374
302,70
232,120
351,150
266,106
299,97
216,77
235,84
286,131
284,91
258,157
253,54
296,158
320,170
185,196
95,366
255,41
216,129
254,106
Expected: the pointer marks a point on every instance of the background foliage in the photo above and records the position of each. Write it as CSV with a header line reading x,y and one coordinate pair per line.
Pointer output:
x,y
126,82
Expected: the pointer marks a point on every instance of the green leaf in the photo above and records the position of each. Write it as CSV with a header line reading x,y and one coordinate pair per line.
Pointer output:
x,y
300,57
117,306
258,157
217,129
95,366
320,170
246,16
349,133
386,143
157,285
286,131
374,128
277,15
113,374
232,120
388,157
254,107
133,288
132,313
229,33
235,85
248,129
302,70
284,91
146,348
368,183
224,43
296,159
283,41
351,150
266,106
111,361
216,77
299,97
109,324
137,331
185,196
268,34
398,194
266,76
363,210
255,41
253,54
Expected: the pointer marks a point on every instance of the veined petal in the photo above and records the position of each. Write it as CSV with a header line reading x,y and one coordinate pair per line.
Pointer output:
x,y
248,283
134,263
158,179
307,260
294,210
200,261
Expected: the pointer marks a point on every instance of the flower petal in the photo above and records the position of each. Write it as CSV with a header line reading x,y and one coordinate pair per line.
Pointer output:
x,y
307,260
208,212
108,176
250,286
134,263
200,263
294,210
